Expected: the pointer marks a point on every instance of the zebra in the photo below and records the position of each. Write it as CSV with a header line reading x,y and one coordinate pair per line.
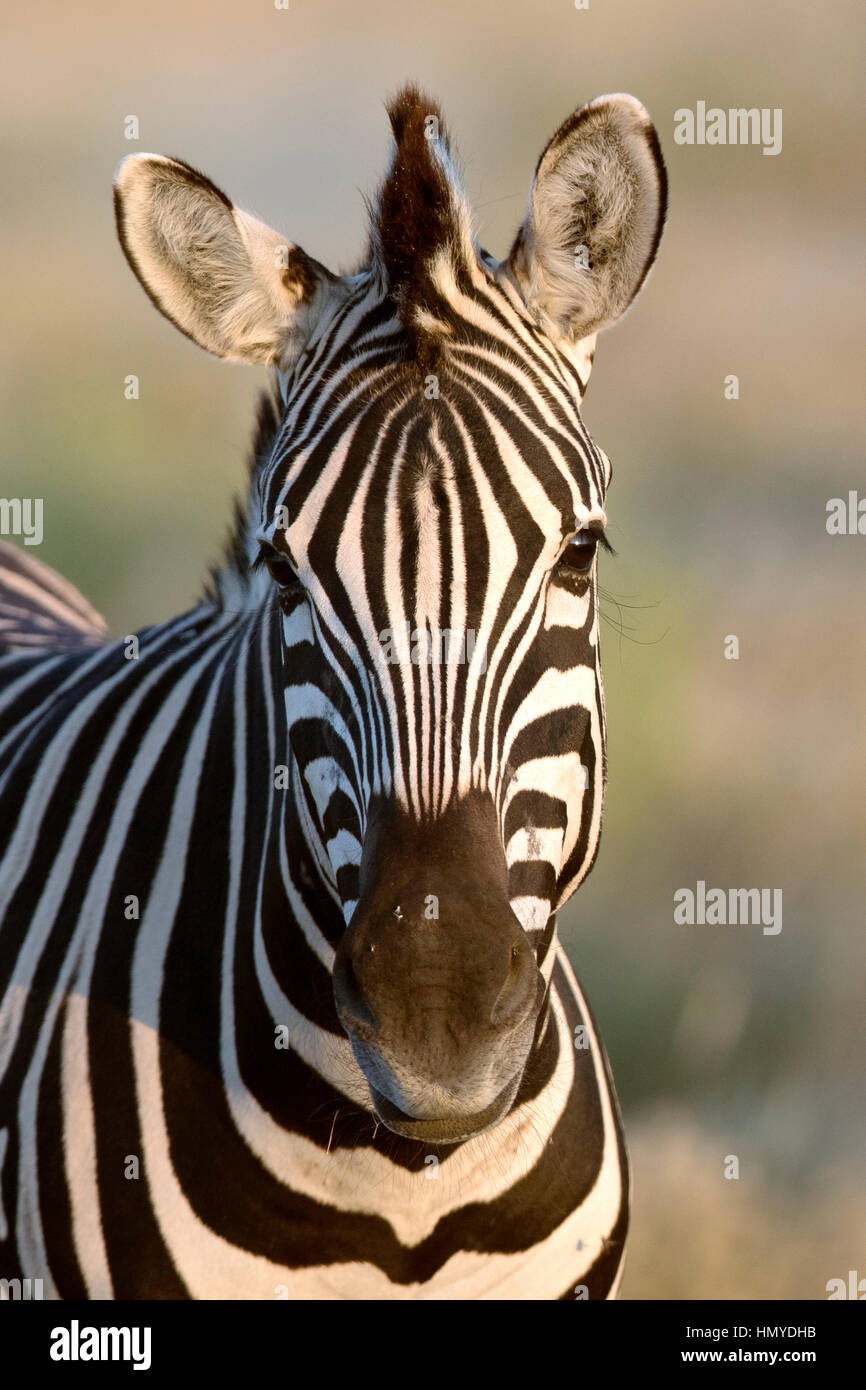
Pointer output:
x,y
283,1010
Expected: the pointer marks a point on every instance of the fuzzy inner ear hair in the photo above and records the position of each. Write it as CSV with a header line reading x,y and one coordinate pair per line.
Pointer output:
x,y
232,284
596,211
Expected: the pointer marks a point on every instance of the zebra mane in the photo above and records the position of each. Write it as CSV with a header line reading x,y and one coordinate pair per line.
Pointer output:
x,y
421,227
232,583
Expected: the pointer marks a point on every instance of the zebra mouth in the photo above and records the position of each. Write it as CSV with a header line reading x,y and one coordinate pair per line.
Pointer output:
x,y
454,1129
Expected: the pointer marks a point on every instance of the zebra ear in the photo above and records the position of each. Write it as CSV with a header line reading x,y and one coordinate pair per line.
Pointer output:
x,y
596,212
226,280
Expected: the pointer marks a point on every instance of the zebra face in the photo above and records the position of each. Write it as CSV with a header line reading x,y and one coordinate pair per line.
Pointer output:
x,y
431,510
444,705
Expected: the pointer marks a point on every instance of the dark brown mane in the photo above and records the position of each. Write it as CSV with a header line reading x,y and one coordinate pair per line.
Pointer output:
x,y
416,210
234,556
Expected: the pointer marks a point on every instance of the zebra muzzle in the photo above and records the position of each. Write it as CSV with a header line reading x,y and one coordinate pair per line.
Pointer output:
x,y
435,981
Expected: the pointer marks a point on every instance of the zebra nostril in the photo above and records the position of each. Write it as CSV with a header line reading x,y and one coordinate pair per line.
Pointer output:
x,y
353,1009
518,994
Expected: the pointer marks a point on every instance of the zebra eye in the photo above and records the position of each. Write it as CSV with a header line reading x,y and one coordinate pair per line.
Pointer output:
x,y
278,567
580,553
280,570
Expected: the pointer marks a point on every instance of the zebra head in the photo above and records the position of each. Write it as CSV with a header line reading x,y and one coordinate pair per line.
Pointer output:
x,y
431,507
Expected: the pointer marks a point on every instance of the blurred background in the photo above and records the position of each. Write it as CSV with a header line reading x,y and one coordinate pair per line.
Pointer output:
x,y
743,773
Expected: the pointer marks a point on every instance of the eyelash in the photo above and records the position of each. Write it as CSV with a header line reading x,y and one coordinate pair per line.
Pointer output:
x,y
581,551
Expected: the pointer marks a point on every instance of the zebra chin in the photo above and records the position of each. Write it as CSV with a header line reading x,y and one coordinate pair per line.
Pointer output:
x,y
443,1129
430,1111
438,1079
